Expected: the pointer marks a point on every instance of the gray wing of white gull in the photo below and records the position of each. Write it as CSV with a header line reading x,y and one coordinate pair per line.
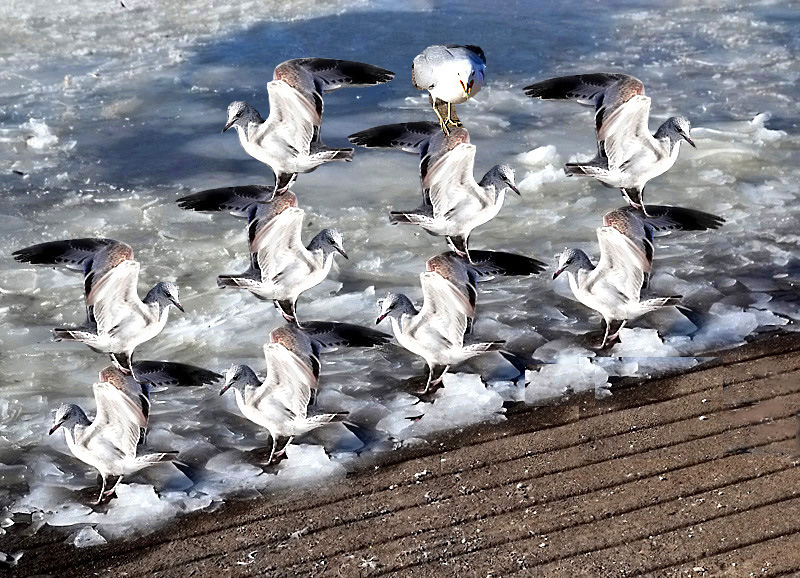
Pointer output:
x,y
168,373
619,274
279,247
488,264
301,344
442,320
641,228
606,91
96,257
238,201
287,387
461,275
331,335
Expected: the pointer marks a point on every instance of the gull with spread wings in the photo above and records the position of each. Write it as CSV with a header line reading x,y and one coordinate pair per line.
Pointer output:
x,y
117,320
628,156
109,441
453,203
289,141
435,332
281,267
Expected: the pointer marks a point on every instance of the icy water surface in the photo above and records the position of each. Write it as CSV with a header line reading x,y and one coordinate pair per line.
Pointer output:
x,y
107,115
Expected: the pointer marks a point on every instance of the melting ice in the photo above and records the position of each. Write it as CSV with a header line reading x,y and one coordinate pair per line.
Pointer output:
x,y
110,114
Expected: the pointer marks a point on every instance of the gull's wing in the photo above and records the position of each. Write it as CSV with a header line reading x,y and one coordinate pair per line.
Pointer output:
x,y
665,218
622,265
460,273
293,120
449,180
299,342
117,425
625,132
606,91
167,373
288,383
114,296
492,263
331,335
411,137
310,77
236,200
279,246
95,257
444,311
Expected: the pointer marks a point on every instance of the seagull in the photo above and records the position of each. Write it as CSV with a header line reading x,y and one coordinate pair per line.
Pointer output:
x,y
117,321
280,403
435,332
256,203
108,443
628,156
281,267
451,74
464,275
641,228
613,286
289,141
453,203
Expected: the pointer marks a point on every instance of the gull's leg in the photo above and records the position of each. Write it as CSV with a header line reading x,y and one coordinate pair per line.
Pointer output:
x,y
459,245
286,445
272,453
615,336
438,380
430,379
282,182
102,491
287,309
113,489
122,361
606,323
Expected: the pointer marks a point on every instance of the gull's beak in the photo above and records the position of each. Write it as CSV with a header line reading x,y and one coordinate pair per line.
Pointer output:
x,y
342,253
227,126
178,305
467,88
557,273
515,189
225,387
381,317
54,428
690,141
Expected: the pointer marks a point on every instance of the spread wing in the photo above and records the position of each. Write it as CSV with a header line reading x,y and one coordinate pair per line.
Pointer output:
x,y
289,381
167,373
606,91
236,200
279,246
331,335
117,424
411,137
293,120
450,180
625,133
114,296
621,266
444,311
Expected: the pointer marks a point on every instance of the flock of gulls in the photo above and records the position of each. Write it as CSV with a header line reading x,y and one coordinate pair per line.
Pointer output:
x,y
282,265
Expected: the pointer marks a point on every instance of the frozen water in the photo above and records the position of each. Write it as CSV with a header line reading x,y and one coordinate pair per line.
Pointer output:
x,y
108,114
86,536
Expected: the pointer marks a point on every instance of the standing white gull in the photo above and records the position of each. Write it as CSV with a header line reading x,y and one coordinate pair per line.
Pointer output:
x,y
279,403
628,156
108,443
435,332
613,286
451,74
289,141
453,203
117,320
283,268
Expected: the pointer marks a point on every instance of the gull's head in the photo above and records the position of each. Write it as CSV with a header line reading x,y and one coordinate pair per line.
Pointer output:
x,y
394,305
67,414
502,177
471,82
166,293
329,240
679,127
240,114
571,260
239,376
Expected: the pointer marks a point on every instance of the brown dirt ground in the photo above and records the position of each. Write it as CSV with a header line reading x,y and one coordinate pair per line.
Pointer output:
x,y
690,475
